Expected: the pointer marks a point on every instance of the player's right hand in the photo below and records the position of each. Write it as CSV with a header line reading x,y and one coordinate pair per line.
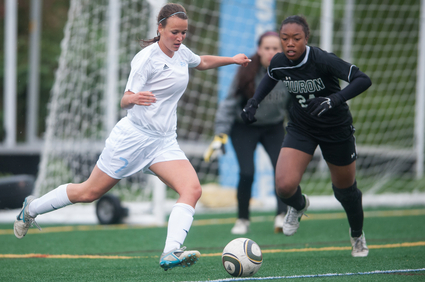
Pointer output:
x,y
216,148
144,98
248,113
241,59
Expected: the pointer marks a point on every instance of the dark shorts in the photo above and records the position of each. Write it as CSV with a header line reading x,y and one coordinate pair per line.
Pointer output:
x,y
338,149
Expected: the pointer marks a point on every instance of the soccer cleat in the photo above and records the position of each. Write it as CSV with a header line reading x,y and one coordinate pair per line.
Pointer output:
x,y
360,248
24,221
293,218
178,257
278,223
241,226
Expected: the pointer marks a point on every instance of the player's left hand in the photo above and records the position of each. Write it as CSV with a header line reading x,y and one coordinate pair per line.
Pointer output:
x,y
241,59
248,113
320,105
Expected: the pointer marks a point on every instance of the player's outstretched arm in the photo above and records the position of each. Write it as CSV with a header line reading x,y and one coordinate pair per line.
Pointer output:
x,y
210,62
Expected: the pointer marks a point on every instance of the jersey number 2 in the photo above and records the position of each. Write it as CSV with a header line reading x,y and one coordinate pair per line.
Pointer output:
x,y
303,101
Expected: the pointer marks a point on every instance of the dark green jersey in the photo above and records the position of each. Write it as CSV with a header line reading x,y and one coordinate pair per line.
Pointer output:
x,y
316,74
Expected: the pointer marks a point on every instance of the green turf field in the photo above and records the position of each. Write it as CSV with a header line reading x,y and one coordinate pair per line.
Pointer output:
x,y
396,238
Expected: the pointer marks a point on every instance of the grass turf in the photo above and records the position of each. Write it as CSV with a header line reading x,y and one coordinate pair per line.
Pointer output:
x,y
131,253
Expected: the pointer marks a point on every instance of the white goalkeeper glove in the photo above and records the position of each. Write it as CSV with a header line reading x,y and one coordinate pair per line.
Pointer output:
x,y
216,148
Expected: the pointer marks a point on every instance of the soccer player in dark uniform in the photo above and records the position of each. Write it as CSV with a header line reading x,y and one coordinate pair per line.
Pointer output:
x,y
319,116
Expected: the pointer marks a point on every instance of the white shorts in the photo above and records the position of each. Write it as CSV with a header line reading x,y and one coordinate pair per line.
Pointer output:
x,y
129,149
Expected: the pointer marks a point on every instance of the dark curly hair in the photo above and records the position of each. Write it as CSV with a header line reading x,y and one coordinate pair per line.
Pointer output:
x,y
300,20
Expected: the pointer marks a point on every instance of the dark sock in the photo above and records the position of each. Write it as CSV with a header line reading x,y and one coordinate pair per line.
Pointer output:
x,y
351,200
244,195
281,206
356,233
297,201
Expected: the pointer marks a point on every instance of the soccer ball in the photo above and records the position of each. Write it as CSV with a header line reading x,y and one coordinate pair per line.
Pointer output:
x,y
242,257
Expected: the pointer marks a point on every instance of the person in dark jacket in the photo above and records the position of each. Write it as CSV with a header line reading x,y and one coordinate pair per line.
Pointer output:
x,y
268,131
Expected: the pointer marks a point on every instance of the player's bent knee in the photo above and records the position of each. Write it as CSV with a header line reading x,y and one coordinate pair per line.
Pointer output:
x,y
197,192
347,195
285,189
193,192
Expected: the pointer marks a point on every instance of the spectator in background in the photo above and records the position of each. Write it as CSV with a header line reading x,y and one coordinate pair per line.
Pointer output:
x,y
268,131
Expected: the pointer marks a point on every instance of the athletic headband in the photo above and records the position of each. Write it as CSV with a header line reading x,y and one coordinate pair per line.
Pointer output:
x,y
171,16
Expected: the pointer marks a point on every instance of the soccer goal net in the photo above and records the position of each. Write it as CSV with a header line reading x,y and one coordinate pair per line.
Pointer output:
x,y
380,37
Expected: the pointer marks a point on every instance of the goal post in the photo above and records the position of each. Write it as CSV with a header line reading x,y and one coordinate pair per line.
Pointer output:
x,y
100,39
420,97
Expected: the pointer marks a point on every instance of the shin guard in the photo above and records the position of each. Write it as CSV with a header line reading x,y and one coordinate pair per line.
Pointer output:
x,y
351,200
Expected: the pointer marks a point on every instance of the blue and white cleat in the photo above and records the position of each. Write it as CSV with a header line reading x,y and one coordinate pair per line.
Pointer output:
x,y
178,257
24,221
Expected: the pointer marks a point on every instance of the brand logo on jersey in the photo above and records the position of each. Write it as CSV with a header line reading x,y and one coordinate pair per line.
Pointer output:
x,y
304,86
165,67
183,64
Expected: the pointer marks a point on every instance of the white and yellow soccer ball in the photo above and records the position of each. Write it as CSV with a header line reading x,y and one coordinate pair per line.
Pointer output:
x,y
242,257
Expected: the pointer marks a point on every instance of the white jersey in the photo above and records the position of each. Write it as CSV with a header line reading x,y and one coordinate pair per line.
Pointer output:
x,y
167,79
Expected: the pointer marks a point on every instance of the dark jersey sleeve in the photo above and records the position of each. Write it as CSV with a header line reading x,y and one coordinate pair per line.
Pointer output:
x,y
358,84
264,88
275,63
335,66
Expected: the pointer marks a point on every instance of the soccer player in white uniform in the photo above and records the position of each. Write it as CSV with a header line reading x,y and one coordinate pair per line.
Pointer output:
x,y
145,140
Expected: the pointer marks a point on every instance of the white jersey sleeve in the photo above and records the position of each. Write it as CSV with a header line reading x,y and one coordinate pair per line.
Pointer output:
x,y
140,68
191,58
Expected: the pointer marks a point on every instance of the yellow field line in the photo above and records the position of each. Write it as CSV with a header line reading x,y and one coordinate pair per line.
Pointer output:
x,y
317,216
386,246
273,251
78,228
64,256
215,221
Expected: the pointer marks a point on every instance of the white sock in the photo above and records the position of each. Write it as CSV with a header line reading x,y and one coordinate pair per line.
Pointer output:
x,y
55,199
179,223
